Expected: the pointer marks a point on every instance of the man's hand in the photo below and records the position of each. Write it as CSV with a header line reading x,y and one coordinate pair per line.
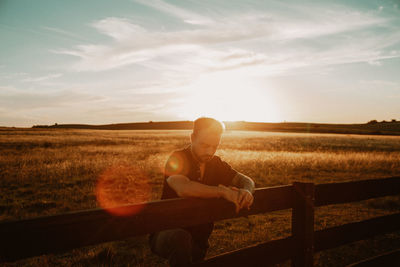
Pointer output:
x,y
230,195
240,197
245,198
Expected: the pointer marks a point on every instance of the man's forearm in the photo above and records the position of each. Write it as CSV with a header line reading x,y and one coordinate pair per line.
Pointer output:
x,y
242,181
195,189
187,188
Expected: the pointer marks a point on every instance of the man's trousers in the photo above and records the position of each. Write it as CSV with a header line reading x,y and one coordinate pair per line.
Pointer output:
x,y
178,246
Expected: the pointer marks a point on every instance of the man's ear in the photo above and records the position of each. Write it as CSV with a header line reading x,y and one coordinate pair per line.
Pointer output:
x,y
192,137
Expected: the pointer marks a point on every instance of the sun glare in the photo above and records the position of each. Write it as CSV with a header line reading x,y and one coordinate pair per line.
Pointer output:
x,y
120,185
229,98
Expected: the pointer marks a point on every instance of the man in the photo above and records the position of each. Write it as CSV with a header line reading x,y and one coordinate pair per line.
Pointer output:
x,y
196,172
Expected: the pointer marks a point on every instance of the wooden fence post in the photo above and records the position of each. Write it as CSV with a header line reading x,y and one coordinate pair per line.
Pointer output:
x,y
303,224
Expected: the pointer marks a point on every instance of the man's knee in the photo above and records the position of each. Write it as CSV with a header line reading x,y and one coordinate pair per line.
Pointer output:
x,y
174,245
168,242
181,239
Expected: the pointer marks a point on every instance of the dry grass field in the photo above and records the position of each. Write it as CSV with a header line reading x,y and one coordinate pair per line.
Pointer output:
x,y
51,171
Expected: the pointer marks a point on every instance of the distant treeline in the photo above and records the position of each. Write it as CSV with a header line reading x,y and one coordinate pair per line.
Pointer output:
x,y
375,121
372,127
172,125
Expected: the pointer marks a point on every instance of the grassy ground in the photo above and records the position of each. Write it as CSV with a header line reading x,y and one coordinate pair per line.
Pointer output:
x,y
50,171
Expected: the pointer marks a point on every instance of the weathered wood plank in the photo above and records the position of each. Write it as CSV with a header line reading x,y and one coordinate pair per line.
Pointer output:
x,y
53,234
347,233
263,254
303,224
335,193
388,259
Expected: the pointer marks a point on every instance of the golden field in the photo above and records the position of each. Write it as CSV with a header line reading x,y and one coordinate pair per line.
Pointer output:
x,y
51,171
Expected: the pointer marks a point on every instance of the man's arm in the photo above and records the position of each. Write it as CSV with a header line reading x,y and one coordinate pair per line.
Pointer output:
x,y
245,187
187,188
242,181
184,187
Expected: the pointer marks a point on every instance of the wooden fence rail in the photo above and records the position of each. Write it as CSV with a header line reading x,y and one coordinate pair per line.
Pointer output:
x,y
59,233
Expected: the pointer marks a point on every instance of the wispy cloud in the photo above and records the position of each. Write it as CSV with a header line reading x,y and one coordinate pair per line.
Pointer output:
x,y
44,31
185,15
42,78
28,107
16,99
379,85
65,33
223,43
12,76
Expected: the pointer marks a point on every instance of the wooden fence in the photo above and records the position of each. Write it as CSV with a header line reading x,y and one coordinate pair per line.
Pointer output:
x,y
59,233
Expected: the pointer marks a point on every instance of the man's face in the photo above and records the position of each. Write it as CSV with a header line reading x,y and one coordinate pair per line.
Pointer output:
x,y
204,144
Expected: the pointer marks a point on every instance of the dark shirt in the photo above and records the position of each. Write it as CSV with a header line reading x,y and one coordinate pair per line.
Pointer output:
x,y
216,172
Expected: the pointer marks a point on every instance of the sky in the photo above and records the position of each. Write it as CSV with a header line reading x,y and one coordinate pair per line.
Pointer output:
x,y
102,62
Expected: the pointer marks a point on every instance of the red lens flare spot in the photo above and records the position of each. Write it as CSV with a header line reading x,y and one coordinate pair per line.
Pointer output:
x,y
121,185
176,165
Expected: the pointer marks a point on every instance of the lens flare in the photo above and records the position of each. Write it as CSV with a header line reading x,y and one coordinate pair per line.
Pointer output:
x,y
176,165
120,185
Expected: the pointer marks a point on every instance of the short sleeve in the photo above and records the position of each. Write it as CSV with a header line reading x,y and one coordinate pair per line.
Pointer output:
x,y
176,164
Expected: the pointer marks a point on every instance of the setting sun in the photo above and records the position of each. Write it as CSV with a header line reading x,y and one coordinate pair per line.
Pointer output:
x,y
229,97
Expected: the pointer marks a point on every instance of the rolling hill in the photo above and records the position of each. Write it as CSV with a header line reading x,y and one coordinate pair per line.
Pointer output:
x,y
375,128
